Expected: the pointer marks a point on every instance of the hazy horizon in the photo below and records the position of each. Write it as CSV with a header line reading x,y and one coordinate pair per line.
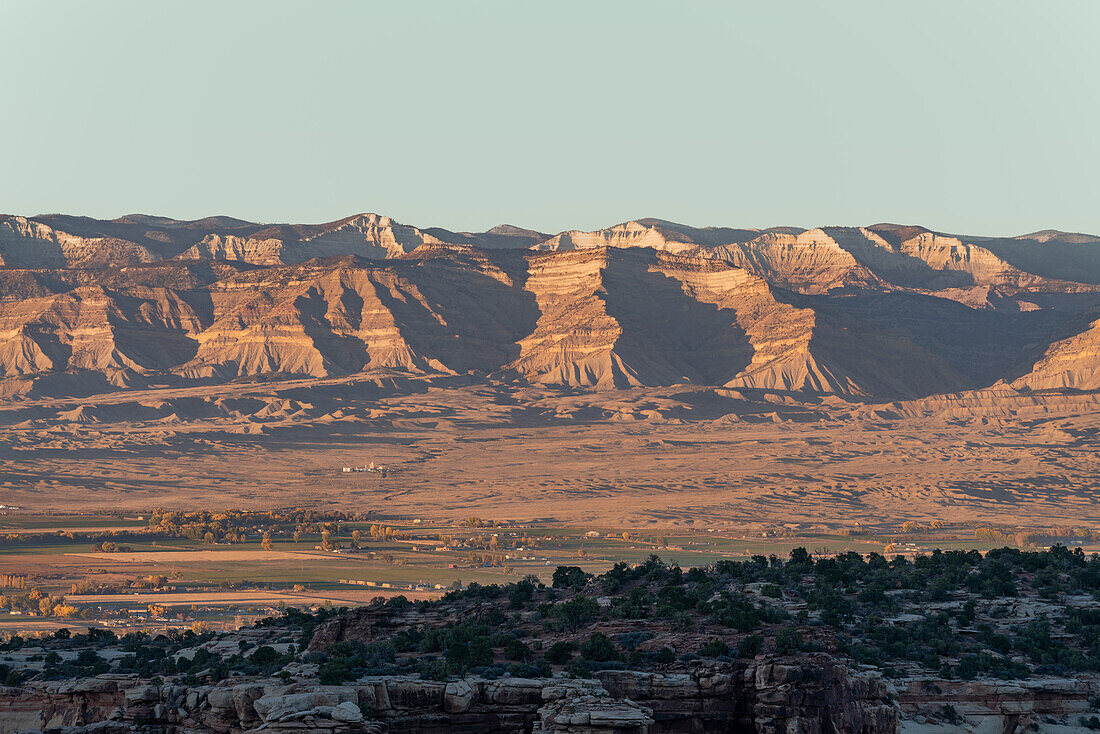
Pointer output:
x,y
426,226
970,118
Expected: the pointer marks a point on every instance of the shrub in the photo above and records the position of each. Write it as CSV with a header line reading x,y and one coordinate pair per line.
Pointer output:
x,y
481,652
264,656
635,605
576,612
598,648
750,646
578,669
515,650
714,649
788,641
560,652
736,612
630,640
334,672
521,593
570,577
344,660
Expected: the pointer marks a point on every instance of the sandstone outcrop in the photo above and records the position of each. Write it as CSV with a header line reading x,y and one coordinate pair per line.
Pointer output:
x,y
808,694
604,318
1011,707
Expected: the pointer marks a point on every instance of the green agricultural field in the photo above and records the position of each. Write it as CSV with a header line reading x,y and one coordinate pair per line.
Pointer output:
x,y
325,573
57,546
9,522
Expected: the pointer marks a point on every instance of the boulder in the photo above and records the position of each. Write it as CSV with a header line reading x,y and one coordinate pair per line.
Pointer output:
x,y
143,694
220,701
677,685
515,692
280,706
347,711
373,693
243,699
458,696
414,694
88,686
714,684
589,714
627,683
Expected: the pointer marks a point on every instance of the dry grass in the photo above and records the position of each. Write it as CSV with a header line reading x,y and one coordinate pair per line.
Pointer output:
x,y
645,458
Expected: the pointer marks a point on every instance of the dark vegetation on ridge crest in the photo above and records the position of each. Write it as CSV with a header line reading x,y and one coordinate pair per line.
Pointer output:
x,y
941,614
1008,614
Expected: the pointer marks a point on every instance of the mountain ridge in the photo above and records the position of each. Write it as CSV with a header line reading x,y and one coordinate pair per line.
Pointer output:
x,y
879,312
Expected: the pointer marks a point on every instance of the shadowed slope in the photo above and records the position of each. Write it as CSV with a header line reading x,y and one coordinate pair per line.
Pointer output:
x,y
1051,254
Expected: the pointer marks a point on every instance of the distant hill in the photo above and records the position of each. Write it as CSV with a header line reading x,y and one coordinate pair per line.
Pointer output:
x,y
884,311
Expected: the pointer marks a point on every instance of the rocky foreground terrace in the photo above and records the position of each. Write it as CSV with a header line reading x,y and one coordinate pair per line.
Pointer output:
x,y
955,641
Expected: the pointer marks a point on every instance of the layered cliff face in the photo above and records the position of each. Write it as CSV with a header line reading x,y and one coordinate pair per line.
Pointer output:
x,y
615,319
796,694
876,257
447,314
1068,364
31,244
599,318
811,261
653,233
367,235
92,328
878,312
56,241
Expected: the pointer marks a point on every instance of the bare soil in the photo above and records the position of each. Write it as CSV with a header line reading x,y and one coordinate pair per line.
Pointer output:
x,y
660,457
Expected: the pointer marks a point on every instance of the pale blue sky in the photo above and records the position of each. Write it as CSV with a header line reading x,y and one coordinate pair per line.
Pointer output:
x,y
964,115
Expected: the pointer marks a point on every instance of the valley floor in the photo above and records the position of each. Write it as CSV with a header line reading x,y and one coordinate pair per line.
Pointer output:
x,y
643,458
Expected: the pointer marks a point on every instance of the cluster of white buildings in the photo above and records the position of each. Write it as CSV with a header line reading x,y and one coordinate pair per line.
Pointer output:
x,y
369,468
